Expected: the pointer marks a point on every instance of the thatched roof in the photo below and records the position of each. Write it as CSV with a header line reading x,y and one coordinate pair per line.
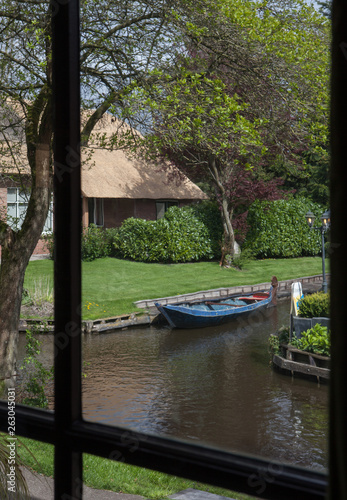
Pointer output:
x,y
116,174
113,173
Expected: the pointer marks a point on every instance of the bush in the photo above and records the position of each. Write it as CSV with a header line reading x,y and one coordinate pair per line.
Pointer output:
x,y
316,340
316,305
185,234
95,243
209,214
279,229
180,236
49,244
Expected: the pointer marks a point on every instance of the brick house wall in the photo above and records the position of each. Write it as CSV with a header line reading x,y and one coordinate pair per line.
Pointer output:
x,y
116,210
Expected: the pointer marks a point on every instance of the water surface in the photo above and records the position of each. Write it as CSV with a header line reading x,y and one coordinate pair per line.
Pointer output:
x,y
212,385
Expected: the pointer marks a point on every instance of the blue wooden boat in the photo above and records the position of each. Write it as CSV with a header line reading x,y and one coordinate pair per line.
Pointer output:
x,y
213,312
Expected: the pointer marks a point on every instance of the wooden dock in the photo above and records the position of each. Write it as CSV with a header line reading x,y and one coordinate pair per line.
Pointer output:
x,y
305,364
104,325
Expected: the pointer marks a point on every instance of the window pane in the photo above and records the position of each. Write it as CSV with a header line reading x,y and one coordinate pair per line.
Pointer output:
x,y
91,210
12,195
12,212
99,211
49,222
160,209
23,196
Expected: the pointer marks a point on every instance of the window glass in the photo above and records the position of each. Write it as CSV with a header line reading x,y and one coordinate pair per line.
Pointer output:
x,y
12,195
163,206
96,211
17,204
160,209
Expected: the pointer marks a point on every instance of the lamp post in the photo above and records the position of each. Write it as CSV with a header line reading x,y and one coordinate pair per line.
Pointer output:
x,y
325,218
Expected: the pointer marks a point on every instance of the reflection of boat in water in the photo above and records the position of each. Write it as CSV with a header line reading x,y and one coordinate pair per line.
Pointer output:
x,y
213,312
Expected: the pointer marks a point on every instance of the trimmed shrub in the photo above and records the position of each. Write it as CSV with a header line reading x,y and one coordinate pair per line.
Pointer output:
x,y
179,237
95,243
279,229
209,214
316,305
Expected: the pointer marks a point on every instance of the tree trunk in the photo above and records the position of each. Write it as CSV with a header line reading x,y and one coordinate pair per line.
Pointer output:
x,y
227,247
12,273
18,246
228,231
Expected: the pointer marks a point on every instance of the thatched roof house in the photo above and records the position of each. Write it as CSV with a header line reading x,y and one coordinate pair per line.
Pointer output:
x,y
115,185
122,186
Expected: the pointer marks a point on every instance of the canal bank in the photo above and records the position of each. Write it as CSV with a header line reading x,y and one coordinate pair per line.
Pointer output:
x,y
310,284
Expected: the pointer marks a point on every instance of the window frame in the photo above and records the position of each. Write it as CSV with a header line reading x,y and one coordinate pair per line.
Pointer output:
x,y
24,203
66,429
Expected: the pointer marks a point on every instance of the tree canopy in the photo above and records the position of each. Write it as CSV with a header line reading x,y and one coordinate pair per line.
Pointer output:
x,y
249,90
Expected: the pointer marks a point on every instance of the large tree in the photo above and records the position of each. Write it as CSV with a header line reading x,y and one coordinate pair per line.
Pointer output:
x,y
121,41
250,89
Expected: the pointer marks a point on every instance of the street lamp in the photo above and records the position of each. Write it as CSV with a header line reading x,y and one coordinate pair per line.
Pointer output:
x,y
323,229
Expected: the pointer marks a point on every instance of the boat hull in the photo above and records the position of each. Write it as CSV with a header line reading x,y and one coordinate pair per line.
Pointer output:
x,y
190,316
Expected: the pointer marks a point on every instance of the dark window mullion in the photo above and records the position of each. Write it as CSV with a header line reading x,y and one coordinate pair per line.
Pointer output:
x,y
67,228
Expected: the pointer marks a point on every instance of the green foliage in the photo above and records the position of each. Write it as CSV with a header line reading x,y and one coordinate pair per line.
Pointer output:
x,y
36,376
209,214
275,340
11,464
241,260
180,236
316,340
96,243
128,281
49,243
316,305
279,229
274,344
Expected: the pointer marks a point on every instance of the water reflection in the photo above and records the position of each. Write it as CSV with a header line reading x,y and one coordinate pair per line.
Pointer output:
x,y
213,385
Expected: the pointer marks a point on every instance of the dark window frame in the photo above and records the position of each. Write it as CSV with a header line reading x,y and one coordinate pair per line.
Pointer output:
x,y
66,429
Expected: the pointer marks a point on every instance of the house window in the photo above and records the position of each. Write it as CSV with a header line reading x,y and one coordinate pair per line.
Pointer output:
x,y
162,206
96,211
17,204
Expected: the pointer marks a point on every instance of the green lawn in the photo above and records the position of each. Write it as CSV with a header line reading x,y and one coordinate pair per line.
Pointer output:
x,y
110,286
105,474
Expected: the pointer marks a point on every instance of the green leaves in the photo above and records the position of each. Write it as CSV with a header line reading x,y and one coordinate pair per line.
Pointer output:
x,y
184,235
315,340
315,305
279,229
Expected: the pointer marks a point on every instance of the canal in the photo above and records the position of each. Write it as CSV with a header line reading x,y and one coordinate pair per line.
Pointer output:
x,y
213,386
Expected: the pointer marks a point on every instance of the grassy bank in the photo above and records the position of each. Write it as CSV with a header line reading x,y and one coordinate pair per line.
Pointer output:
x,y
105,474
110,286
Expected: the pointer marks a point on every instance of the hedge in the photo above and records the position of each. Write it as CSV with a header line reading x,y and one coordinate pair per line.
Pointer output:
x,y
279,229
97,242
180,236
